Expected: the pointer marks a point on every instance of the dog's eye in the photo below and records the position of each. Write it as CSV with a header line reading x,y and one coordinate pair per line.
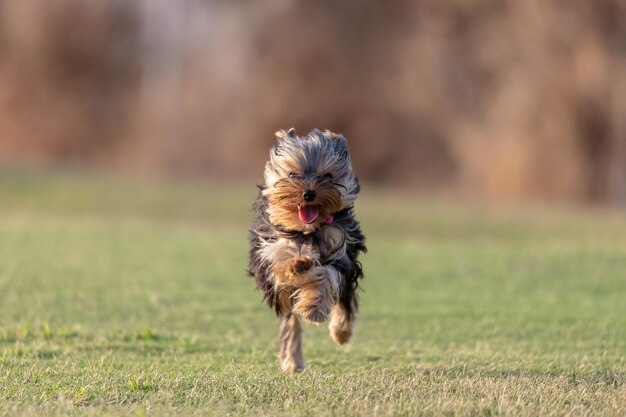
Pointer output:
x,y
327,176
294,175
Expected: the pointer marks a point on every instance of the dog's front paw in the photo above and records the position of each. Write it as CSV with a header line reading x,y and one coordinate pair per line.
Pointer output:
x,y
312,305
317,314
301,265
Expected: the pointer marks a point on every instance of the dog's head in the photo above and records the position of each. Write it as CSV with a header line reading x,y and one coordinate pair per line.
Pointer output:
x,y
308,179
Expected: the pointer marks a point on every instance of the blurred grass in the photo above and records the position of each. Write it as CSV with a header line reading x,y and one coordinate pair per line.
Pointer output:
x,y
123,297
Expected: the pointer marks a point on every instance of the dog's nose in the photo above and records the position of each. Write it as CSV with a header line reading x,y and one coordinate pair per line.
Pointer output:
x,y
309,195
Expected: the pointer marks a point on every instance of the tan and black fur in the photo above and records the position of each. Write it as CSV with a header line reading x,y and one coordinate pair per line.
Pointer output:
x,y
305,241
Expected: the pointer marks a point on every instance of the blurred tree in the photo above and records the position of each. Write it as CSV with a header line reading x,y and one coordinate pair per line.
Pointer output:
x,y
504,100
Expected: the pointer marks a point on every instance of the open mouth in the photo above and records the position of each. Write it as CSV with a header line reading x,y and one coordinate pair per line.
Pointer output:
x,y
308,213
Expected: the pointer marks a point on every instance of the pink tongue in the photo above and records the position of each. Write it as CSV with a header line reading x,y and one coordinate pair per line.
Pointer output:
x,y
308,214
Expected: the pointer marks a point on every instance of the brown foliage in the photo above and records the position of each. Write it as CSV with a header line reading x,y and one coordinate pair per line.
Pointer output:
x,y
499,99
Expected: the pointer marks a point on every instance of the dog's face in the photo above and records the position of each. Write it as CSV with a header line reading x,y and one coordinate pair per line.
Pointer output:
x,y
308,179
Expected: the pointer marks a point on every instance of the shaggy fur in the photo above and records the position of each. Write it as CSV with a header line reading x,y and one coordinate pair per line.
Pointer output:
x,y
305,241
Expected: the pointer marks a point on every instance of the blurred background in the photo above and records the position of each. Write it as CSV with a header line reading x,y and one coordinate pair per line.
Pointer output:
x,y
503,101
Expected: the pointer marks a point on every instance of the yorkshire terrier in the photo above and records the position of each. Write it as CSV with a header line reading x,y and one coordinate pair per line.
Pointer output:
x,y
305,241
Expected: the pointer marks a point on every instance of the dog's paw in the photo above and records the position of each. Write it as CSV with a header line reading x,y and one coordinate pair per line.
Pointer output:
x,y
301,265
340,325
292,365
340,333
313,310
315,315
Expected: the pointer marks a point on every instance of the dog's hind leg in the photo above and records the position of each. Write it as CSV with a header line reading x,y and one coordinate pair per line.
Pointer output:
x,y
340,325
290,355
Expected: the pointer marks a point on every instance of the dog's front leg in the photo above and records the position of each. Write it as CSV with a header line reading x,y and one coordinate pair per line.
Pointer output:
x,y
318,293
291,267
290,262
301,280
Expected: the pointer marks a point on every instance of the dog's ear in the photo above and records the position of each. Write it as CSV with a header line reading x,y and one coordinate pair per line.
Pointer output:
x,y
282,134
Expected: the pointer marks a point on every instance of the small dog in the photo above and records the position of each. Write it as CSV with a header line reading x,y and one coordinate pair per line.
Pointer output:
x,y
305,241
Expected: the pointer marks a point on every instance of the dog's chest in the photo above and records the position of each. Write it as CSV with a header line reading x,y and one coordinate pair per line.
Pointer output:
x,y
331,243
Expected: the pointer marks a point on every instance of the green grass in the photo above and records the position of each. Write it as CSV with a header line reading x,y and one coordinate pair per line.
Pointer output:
x,y
130,298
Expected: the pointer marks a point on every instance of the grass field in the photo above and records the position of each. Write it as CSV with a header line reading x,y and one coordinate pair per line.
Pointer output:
x,y
130,298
